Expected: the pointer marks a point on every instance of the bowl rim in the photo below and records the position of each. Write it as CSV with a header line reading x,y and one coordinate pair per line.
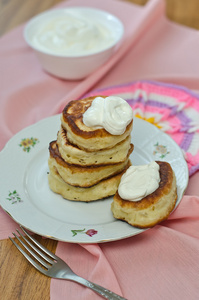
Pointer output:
x,y
62,10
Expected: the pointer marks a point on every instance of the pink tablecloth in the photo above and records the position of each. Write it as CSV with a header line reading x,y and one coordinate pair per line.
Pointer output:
x,y
161,263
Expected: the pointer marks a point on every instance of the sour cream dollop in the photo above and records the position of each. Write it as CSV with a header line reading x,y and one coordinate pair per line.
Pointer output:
x,y
111,113
139,181
72,33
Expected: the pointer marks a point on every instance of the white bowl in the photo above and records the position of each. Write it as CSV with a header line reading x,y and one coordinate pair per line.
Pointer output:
x,y
72,64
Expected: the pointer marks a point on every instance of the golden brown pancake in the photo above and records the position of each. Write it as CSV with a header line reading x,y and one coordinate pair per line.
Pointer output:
x,y
152,209
87,138
103,189
74,155
82,176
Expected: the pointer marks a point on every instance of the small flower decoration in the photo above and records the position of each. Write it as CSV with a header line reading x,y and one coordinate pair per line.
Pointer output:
x,y
89,232
160,149
14,197
28,143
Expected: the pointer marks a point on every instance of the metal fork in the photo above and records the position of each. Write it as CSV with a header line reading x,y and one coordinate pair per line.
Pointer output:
x,y
53,266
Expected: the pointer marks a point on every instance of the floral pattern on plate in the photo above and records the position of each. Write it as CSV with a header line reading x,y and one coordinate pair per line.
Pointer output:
x,y
89,232
28,143
161,150
14,197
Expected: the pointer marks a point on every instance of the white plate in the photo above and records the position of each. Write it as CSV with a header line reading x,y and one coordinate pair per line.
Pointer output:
x,y
26,197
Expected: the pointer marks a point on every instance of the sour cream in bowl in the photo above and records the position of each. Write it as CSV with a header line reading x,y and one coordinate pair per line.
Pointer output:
x,y
72,43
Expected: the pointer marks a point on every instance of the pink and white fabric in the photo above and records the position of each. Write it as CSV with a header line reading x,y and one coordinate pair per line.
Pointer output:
x,y
174,109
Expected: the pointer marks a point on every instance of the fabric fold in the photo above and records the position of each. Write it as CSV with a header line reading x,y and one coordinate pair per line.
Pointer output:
x,y
32,84
133,32
162,260
89,265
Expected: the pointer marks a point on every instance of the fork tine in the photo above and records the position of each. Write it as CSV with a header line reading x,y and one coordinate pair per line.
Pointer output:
x,y
35,248
31,252
52,255
28,257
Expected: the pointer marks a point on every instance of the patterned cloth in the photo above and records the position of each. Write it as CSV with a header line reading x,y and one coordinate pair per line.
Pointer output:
x,y
173,109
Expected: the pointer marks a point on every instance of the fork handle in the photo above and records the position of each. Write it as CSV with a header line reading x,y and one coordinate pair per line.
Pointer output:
x,y
107,294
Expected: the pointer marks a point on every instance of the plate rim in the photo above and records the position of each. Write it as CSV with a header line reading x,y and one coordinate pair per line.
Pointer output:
x,y
54,119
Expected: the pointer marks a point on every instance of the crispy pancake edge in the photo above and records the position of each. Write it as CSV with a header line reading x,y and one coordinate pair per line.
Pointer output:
x,y
143,216
54,153
71,119
65,148
166,179
93,193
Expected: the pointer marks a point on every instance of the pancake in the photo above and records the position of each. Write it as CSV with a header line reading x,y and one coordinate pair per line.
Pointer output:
x,y
74,155
87,138
152,209
82,176
103,189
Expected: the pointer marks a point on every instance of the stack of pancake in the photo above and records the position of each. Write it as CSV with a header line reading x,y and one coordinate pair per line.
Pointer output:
x,y
86,164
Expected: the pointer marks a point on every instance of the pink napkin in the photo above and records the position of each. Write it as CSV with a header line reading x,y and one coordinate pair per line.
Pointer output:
x,y
161,263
